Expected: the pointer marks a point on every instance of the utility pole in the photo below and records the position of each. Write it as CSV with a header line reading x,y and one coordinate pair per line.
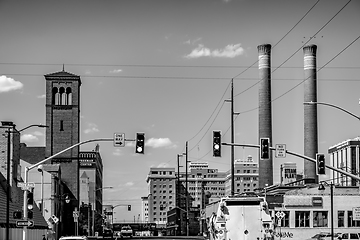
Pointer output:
x,y
232,158
186,191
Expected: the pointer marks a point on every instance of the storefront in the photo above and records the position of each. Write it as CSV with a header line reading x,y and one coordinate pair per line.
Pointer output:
x,y
307,211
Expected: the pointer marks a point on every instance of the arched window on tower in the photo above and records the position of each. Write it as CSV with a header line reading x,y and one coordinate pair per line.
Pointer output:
x,y
54,96
69,96
63,97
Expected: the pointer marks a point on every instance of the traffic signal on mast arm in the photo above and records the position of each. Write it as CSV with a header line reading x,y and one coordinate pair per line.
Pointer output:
x,y
30,200
140,143
320,164
217,143
264,148
129,207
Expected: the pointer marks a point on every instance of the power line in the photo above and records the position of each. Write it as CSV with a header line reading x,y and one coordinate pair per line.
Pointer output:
x,y
309,76
279,41
152,65
300,47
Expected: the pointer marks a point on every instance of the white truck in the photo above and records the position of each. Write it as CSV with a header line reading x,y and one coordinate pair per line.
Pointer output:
x,y
241,218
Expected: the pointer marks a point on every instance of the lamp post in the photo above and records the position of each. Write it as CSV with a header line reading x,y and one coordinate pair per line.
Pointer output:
x,y
334,106
40,169
94,208
11,125
321,187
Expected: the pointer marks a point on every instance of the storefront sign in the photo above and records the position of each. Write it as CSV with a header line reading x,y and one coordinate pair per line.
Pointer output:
x,y
317,201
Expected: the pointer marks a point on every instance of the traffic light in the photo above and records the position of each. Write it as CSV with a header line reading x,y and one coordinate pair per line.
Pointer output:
x,y
129,207
216,143
140,143
264,148
30,214
17,215
30,200
320,162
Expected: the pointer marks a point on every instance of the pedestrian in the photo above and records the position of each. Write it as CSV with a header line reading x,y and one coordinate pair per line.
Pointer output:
x,y
44,238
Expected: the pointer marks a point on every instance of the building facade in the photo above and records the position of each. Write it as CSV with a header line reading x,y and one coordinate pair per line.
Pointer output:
x,y
345,156
162,189
307,211
246,176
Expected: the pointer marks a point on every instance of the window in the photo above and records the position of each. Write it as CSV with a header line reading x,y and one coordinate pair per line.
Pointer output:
x,y
320,219
341,218
352,223
302,219
61,125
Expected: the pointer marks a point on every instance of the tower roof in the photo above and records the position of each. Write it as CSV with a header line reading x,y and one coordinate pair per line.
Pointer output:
x,y
62,75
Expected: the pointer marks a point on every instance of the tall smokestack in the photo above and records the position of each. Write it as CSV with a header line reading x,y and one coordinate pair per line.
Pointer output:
x,y
265,120
310,111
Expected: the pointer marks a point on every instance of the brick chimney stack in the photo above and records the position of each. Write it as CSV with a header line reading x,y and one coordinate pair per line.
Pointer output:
x,y
265,119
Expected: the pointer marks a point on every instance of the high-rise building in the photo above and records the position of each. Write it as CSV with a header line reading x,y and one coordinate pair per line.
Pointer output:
x,y
162,190
345,156
246,176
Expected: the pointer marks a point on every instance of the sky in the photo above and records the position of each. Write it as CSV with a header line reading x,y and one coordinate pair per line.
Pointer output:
x,y
164,67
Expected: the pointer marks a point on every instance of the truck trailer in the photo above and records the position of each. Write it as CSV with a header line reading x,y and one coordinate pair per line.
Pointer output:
x,y
241,218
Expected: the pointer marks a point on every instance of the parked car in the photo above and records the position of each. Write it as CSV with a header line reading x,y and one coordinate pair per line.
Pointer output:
x,y
323,236
108,233
74,238
349,236
126,231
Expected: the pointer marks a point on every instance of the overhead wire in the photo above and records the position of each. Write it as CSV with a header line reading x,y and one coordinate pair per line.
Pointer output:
x,y
300,47
258,60
250,110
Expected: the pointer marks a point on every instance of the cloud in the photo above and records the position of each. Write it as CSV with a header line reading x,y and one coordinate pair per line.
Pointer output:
x,y
163,165
160,142
192,42
118,152
92,128
116,71
129,184
9,84
28,138
37,133
41,96
230,51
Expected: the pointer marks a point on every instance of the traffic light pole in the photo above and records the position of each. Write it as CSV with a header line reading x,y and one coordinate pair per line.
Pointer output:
x,y
27,169
296,155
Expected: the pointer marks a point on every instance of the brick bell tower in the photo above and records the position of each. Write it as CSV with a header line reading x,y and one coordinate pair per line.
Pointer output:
x,y
62,117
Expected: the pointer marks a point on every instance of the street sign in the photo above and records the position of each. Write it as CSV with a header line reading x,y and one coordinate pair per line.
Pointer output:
x,y
75,214
55,219
119,139
26,186
24,223
280,214
356,213
280,150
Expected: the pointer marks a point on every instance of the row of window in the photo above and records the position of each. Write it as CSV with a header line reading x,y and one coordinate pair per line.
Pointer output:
x,y
162,172
319,219
163,186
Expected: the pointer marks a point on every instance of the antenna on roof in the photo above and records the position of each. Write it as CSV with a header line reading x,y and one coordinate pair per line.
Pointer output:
x,y
63,67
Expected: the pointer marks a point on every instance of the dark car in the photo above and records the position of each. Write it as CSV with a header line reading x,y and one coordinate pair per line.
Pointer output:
x,y
108,233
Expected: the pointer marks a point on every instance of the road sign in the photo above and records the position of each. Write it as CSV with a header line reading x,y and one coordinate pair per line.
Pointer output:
x,y
280,150
119,139
26,186
280,214
24,223
356,213
55,219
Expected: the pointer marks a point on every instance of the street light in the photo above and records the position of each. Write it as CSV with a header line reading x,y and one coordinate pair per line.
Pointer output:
x,y
11,125
94,206
40,169
334,106
322,187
